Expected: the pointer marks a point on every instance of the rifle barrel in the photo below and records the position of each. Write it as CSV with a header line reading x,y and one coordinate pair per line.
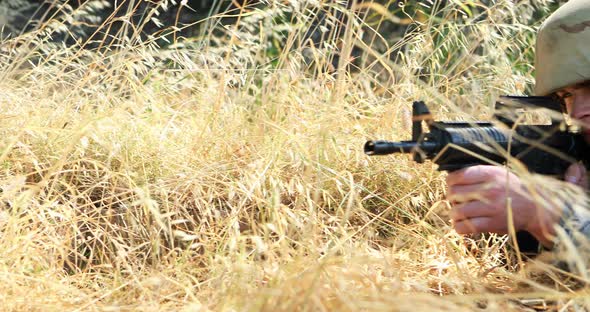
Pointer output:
x,y
381,147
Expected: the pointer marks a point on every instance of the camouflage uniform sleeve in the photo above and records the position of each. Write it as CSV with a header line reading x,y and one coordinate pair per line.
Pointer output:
x,y
575,222
572,245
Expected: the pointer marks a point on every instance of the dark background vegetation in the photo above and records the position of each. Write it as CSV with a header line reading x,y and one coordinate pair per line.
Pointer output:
x,y
24,15
103,23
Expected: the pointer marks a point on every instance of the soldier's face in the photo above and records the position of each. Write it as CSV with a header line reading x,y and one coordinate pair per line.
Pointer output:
x,y
577,102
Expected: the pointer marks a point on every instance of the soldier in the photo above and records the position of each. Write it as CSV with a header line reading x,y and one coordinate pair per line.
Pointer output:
x,y
479,194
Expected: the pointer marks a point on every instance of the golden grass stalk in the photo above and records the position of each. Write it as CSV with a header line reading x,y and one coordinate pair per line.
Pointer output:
x,y
225,172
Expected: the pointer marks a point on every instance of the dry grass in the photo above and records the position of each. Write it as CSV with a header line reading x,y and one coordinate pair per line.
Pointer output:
x,y
213,175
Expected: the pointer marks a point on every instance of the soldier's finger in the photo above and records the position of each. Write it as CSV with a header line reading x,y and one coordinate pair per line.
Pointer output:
x,y
577,174
573,174
473,209
479,225
472,175
464,193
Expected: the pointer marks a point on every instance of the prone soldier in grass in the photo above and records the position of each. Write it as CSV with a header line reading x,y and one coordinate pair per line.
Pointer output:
x,y
479,194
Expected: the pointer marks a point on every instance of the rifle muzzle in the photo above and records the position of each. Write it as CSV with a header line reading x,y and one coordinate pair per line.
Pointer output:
x,y
387,147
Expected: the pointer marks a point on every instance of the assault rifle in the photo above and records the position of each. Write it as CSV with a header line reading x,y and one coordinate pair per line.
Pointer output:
x,y
546,148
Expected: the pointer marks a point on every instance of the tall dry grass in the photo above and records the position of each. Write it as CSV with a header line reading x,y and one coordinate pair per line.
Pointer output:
x,y
219,174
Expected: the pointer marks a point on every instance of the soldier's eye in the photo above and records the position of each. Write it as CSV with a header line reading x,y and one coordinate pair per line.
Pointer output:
x,y
565,95
557,96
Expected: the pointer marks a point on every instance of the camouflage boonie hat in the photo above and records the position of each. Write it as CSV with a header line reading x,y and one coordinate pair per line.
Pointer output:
x,y
563,48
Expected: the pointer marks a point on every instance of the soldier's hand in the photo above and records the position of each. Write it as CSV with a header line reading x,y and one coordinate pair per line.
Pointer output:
x,y
479,196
